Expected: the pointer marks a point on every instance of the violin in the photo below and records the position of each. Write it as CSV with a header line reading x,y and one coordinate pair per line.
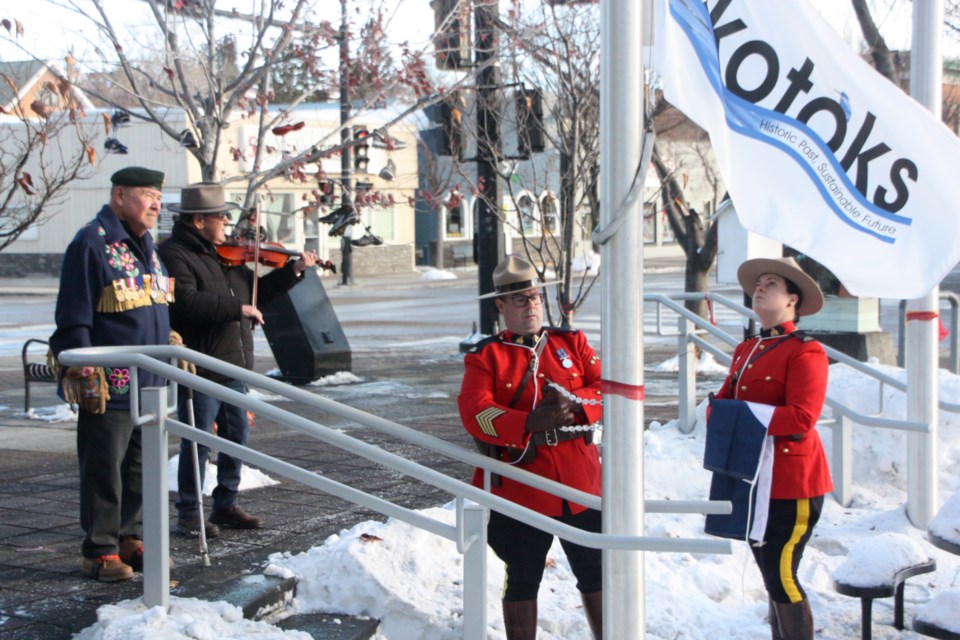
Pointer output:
x,y
270,254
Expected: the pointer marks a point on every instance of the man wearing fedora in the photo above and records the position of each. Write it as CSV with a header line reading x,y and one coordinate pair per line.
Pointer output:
x,y
215,313
113,291
530,396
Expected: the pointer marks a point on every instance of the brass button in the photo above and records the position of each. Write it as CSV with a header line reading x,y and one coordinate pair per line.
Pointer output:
x,y
743,388
785,450
768,378
509,385
749,366
539,375
573,375
763,346
599,393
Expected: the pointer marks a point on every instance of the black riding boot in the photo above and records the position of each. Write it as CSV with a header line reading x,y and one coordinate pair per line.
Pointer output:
x,y
796,620
520,619
593,607
774,622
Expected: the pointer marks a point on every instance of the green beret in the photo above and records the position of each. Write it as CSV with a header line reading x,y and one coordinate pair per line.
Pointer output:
x,y
138,177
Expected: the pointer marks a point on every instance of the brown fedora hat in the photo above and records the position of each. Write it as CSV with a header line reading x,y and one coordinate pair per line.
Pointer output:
x,y
203,198
789,269
514,275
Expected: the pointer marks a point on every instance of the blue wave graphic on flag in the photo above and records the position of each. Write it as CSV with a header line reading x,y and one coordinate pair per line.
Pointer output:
x,y
750,120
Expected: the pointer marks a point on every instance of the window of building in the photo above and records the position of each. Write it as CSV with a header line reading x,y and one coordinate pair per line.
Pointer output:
x,y
525,210
455,224
551,213
382,221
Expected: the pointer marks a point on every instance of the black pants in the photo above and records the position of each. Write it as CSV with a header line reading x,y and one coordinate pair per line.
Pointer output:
x,y
111,480
523,550
789,527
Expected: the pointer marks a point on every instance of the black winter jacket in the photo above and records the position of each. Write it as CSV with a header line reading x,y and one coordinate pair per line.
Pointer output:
x,y
209,296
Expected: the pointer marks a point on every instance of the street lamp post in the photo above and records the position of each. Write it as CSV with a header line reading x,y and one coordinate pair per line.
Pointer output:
x,y
491,245
345,157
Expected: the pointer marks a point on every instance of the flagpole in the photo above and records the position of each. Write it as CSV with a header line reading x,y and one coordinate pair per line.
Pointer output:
x,y
621,132
926,86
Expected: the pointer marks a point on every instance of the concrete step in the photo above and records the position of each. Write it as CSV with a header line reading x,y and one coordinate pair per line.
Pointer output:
x,y
327,626
265,598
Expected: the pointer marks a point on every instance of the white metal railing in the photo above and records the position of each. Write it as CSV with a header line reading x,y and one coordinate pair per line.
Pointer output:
x,y
692,327
469,533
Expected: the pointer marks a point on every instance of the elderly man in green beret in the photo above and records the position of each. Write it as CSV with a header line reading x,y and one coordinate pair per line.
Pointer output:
x,y
113,291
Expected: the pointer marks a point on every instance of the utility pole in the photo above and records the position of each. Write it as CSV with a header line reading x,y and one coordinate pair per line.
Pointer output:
x,y
491,246
346,249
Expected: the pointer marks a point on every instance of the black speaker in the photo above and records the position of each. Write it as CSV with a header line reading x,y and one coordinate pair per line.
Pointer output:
x,y
304,333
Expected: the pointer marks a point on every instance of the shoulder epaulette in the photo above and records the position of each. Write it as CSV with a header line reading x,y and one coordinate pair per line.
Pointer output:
x,y
562,330
480,345
803,336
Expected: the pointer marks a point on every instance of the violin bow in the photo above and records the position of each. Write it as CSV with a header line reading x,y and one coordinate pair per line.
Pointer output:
x,y
256,250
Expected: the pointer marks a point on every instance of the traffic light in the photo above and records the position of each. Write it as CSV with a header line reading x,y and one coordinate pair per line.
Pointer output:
x,y
451,125
325,187
451,40
361,148
530,138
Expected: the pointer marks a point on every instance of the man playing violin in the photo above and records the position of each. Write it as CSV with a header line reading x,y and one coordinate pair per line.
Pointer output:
x,y
215,312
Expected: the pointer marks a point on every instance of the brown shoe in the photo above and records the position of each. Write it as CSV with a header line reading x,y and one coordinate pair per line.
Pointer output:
x,y
131,552
235,518
107,568
190,528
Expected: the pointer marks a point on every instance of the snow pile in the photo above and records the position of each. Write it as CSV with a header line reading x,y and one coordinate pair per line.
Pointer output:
x,y
187,618
875,561
56,413
340,377
430,273
250,478
705,365
946,524
942,610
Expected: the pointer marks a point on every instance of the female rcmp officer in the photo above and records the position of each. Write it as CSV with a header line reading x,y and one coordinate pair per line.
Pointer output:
x,y
784,368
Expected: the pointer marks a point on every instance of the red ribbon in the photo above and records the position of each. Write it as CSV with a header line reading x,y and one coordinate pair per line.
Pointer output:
x,y
629,391
922,315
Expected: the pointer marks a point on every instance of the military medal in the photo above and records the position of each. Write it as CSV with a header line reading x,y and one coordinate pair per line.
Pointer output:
x,y
565,360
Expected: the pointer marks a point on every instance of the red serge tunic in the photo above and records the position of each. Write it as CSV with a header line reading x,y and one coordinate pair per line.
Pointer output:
x,y
790,373
494,370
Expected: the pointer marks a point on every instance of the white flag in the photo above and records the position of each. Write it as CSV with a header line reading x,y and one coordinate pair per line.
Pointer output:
x,y
817,149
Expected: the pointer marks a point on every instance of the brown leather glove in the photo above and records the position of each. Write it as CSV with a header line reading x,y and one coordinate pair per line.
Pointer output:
x,y
552,412
176,340
86,387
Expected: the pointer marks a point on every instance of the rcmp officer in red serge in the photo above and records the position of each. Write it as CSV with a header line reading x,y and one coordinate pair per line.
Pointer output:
x,y
511,403
787,370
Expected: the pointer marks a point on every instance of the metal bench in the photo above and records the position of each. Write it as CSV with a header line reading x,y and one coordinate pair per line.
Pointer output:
x,y
34,371
461,253
894,588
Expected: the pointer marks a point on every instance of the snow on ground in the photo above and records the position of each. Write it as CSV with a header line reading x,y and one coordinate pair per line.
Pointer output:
x,y
431,273
412,580
55,413
250,478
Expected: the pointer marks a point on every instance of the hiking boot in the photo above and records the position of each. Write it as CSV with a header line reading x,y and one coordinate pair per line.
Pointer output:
x,y
190,527
131,552
107,568
235,518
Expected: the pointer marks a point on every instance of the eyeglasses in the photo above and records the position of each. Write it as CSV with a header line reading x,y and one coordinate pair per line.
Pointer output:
x,y
519,300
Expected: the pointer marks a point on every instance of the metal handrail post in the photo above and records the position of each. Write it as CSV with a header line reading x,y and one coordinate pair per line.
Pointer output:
x,y
954,301
474,528
156,506
842,471
687,377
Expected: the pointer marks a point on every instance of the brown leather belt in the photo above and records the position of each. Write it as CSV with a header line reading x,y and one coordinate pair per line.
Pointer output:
x,y
553,437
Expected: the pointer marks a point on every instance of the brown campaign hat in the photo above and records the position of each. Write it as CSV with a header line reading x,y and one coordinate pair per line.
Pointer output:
x,y
514,275
789,269
203,198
